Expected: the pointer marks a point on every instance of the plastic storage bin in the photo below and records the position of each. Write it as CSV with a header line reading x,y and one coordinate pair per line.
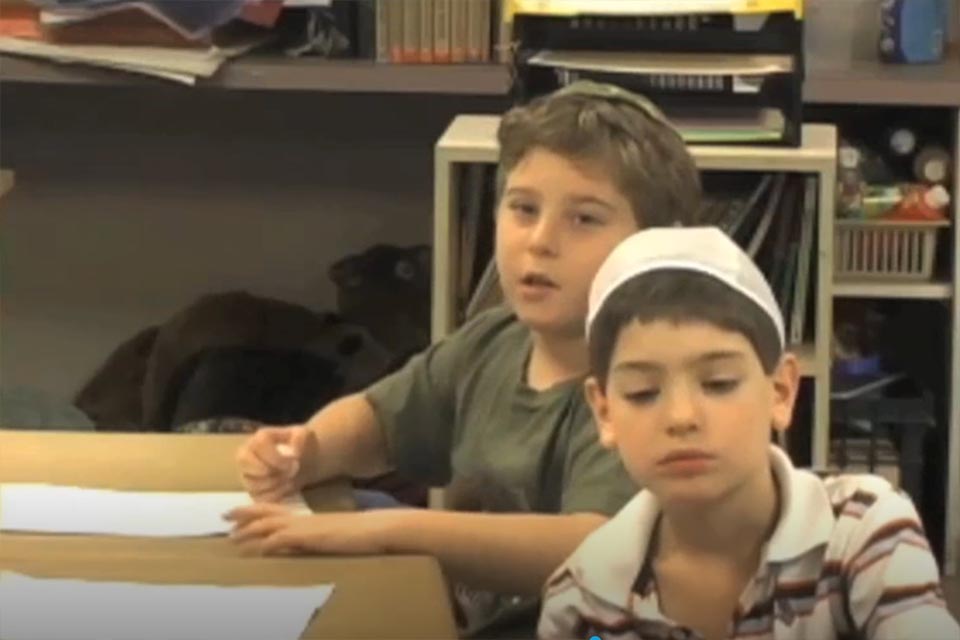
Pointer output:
x,y
885,249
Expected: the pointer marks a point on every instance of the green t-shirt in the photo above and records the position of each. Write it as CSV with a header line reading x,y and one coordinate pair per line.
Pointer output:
x,y
461,413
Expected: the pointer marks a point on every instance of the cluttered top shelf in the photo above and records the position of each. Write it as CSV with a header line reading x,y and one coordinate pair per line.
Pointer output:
x,y
277,73
838,82
450,47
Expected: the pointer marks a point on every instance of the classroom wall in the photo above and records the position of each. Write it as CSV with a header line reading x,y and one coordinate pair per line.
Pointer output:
x,y
841,30
130,204
849,29
955,23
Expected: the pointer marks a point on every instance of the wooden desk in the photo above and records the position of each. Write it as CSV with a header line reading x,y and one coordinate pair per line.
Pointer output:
x,y
376,597
28,545
395,597
139,461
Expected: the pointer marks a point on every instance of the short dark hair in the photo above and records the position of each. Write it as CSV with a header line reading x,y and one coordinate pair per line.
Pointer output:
x,y
680,295
645,157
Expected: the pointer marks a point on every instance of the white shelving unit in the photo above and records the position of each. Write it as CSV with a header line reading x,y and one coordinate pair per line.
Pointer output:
x,y
952,540
471,139
894,290
897,290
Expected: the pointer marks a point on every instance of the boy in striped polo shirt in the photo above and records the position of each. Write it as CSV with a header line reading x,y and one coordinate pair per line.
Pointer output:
x,y
728,540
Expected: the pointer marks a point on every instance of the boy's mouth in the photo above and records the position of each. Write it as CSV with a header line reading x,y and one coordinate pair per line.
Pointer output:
x,y
682,455
537,280
686,462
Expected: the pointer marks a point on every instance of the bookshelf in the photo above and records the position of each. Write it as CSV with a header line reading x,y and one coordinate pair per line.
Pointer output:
x,y
472,139
869,81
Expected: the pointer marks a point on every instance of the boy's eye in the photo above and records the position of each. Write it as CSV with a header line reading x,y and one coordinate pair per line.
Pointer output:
x,y
642,396
523,208
586,219
721,386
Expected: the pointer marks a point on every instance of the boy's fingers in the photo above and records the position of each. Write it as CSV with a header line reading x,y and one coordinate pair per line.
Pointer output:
x,y
298,441
252,466
271,493
256,530
279,543
261,489
263,445
269,460
254,512
292,450
274,489
260,460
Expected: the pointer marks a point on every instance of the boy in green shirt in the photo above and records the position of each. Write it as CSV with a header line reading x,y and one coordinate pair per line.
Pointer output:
x,y
497,406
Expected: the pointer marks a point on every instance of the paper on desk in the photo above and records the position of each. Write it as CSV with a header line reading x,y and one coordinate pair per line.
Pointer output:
x,y
58,509
40,609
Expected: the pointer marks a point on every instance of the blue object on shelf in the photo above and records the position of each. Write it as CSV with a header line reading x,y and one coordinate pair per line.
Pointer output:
x,y
913,31
868,366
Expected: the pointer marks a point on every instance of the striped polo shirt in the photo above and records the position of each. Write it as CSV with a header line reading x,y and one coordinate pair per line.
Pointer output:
x,y
848,559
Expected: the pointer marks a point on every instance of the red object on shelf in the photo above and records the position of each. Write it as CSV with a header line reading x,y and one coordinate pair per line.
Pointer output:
x,y
263,13
20,20
921,203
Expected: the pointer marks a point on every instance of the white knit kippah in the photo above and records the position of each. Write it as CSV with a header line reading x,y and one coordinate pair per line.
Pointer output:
x,y
706,250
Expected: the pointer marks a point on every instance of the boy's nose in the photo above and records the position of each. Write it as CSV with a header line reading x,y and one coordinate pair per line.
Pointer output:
x,y
544,237
682,414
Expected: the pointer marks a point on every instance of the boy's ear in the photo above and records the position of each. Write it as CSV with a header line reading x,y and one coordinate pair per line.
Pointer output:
x,y
597,400
786,384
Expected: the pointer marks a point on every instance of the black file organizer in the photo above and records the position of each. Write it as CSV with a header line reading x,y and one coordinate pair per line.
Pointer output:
x,y
902,411
780,34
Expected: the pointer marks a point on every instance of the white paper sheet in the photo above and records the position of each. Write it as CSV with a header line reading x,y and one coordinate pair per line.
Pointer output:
x,y
42,609
46,508
639,62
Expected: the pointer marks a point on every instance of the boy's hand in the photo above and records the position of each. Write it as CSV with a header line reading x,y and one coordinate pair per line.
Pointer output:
x,y
270,529
270,462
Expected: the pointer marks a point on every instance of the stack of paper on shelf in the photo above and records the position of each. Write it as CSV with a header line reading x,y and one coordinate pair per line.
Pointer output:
x,y
179,40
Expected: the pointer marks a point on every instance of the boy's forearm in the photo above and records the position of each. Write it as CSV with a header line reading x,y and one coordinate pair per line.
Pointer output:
x,y
506,553
347,440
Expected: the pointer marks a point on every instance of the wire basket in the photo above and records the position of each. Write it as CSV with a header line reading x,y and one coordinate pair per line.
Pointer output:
x,y
885,249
